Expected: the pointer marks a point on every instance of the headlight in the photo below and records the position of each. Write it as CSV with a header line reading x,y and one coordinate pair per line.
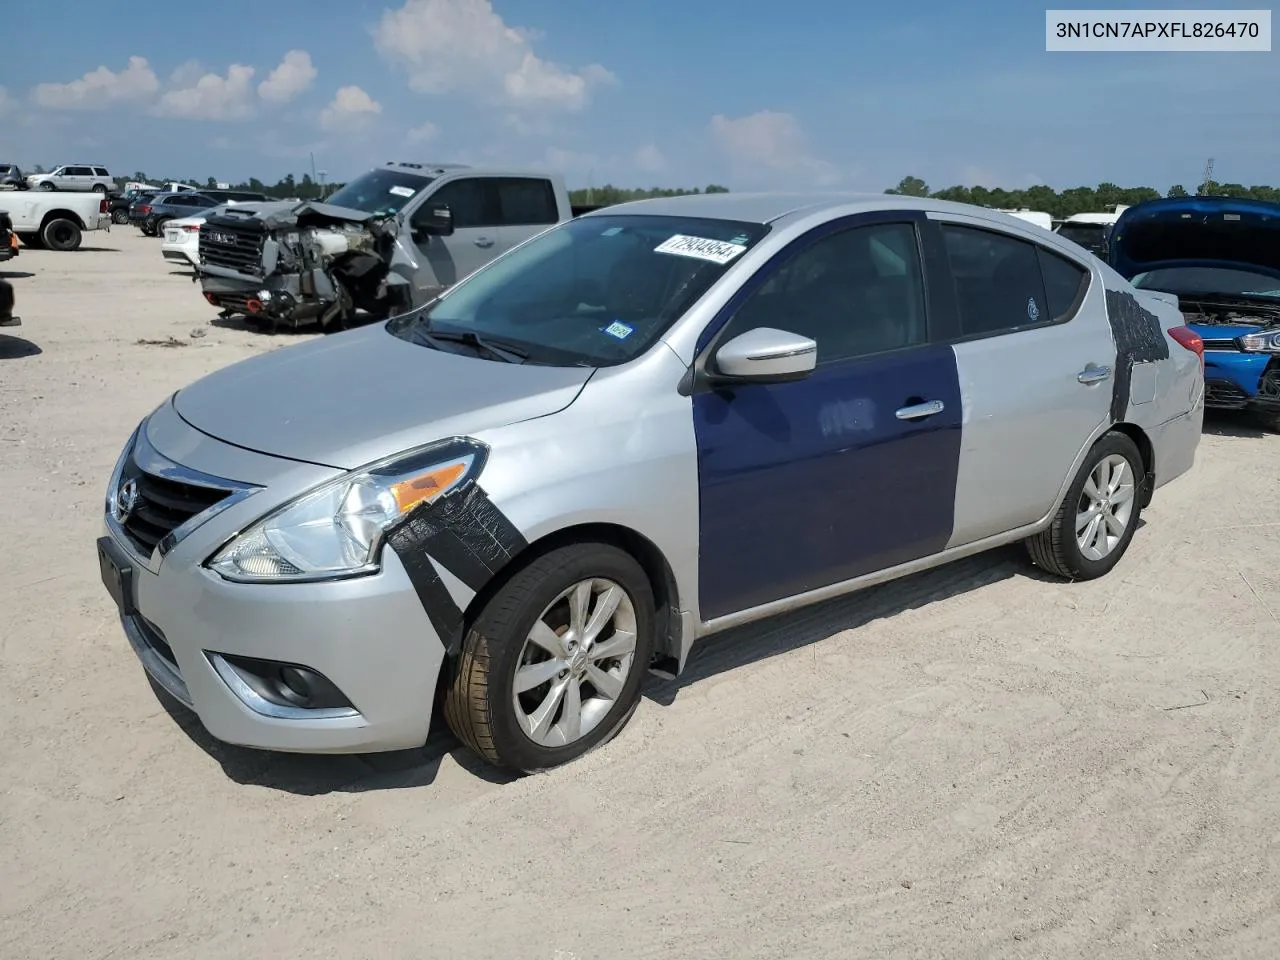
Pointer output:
x,y
1260,342
337,529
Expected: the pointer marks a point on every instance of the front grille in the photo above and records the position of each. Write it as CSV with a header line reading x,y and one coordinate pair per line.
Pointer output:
x,y
232,244
1220,344
161,506
1224,394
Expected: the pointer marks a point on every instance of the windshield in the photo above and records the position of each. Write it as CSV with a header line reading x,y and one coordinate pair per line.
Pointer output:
x,y
1209,281
595,291
380,192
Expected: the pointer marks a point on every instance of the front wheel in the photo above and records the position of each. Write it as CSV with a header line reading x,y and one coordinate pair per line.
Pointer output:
x,y
552,666
1093,527
47,185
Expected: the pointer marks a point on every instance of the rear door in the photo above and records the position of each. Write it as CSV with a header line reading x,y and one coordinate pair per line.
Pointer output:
x,y
526,207
852,470
1036,365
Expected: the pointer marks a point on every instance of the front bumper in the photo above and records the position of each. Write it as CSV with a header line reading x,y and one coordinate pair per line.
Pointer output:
x,y
370,637
1242,381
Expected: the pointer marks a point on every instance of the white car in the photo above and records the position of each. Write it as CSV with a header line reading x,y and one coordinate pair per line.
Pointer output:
x,y
182,237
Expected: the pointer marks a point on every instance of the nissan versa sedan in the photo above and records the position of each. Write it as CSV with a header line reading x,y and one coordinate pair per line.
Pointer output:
x,y
637,428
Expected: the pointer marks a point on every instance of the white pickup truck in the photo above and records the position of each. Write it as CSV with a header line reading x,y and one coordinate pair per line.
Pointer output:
x,y
55,220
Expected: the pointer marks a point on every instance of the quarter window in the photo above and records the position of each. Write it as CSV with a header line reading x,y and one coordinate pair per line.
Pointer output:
x,y
855,293
1064,283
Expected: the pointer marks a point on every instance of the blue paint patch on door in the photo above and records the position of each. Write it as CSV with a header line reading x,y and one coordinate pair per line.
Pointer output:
x,y
813,482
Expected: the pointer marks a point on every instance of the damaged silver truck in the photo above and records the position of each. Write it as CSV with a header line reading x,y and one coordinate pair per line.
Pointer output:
x,y
388,241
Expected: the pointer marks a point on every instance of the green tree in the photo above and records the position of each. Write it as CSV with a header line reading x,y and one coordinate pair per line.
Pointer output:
x,y
910,187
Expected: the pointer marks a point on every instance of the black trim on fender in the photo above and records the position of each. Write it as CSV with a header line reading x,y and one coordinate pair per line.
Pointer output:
x,y
1139,339
466,534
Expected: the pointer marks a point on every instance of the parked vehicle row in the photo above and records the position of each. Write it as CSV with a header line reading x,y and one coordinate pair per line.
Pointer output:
x,y
631,430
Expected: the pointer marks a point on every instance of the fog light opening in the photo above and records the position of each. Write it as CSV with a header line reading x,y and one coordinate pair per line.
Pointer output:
x,y
253,305
211,298
276,688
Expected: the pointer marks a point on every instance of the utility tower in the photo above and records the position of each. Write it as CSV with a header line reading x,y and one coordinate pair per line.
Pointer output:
x,y
1208,176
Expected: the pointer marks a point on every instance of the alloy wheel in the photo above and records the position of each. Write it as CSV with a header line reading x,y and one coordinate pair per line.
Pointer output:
x,y
1106,507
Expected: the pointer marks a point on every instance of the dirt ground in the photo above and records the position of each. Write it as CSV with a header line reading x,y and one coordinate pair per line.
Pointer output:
x,y
973,763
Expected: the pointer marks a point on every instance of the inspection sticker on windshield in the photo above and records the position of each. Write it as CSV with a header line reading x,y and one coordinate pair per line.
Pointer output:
x,y
402,191
717,251
619,329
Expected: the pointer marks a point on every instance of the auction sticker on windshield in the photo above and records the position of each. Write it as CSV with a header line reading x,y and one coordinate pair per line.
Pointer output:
x,y
717,251
402,191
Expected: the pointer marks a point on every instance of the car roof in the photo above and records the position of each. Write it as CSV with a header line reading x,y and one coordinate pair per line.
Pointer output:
x,y
766,208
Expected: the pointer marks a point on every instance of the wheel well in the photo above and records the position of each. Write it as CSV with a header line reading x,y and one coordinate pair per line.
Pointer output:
x,y
640,548
61,215
1143,443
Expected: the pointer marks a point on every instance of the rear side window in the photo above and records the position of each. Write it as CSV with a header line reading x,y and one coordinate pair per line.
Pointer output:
x,y
100,172
999,283
526,200
1065,284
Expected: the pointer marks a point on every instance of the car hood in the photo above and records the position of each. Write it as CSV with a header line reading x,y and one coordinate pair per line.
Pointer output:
x,y
1197,232
351,398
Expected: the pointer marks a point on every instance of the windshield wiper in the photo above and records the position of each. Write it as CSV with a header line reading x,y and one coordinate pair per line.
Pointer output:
x,y
493,348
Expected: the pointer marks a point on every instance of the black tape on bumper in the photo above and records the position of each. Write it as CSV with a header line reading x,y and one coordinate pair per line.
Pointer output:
x,y
469,537
1139,339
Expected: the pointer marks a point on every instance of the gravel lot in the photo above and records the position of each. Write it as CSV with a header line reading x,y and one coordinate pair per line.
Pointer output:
x,y
975,763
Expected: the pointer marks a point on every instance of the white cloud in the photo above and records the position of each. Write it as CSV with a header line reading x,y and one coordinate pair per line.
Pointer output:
x,y
294,75
770,141
650,159
100,88
464,46
212,97
423,132
350,108
8,102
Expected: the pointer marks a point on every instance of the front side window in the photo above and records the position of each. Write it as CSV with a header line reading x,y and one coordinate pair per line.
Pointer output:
x,y
468,200
854,293
997,280
595,291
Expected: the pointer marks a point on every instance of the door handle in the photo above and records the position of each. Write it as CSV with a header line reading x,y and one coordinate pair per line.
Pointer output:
x,y
1092,373
918,410
483,242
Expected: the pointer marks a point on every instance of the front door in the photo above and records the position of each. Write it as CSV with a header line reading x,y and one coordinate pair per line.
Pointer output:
x,y
476,237
851,470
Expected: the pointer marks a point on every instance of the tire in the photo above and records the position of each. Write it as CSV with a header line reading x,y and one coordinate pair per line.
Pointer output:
x,y
99,188
1057,549
480,701
157,228
47,186
61,234
120,217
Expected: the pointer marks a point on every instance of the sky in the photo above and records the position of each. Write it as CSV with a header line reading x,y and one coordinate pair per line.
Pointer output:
x,y
753,94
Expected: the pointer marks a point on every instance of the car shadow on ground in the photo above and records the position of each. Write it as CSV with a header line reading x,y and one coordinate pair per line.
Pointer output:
x,y
1234,423
99,250
15,348
15,275
314,775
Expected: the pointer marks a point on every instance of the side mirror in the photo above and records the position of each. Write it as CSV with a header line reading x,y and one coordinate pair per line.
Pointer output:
x,y
765,355
433,220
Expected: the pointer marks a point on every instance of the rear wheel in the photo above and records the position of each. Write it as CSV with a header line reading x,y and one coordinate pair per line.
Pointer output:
x,y
552,666
99,188
120,216
61,234
1097,519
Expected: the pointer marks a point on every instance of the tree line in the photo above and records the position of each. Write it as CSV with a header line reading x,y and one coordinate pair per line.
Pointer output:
x,y
1062,204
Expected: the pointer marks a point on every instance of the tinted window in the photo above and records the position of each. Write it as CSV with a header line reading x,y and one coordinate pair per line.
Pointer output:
x,y
78,172
997,281
526,201
1064,281
854,293
100,172
595,291
468,200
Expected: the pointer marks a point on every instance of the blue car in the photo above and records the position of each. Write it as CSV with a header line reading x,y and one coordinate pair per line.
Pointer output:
x,y
1221,258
